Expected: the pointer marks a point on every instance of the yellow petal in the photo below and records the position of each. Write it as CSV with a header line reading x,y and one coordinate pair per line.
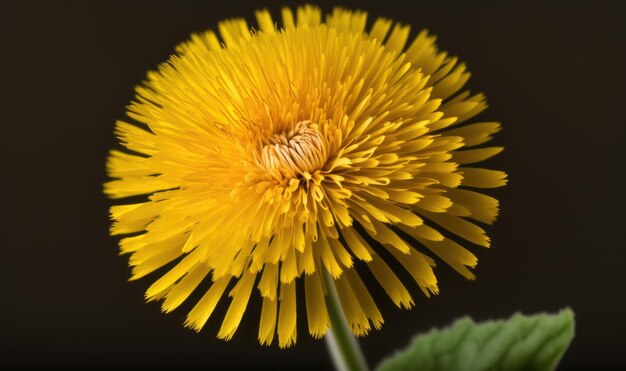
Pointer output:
x,y
463,107
365,299
120,165
380,29
181,291
309,15
287,315
136,186
351,308
287,15
422,231
268,284
173,275
135,139
340,252
204,308
328,259
289,267
169,251
423,53
267,326
482,178
434,203
134,217
454,255
451,83
475,155
390,282
420,268
241,296
475,134
386,236
460,227
397,39
233,31
357,245
317,315
264,19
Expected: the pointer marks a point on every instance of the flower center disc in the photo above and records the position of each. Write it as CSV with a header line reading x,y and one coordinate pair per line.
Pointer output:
x,y
296,152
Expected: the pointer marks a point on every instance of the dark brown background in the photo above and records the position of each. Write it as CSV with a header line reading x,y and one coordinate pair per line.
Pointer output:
x,y
553,73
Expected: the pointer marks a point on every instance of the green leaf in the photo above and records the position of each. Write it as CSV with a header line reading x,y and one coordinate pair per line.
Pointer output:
x,y
520,343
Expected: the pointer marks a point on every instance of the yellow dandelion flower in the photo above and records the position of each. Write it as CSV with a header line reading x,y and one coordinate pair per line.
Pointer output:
x,y
290,152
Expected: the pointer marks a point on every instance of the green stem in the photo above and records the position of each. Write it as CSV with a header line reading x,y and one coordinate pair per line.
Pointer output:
x,y
343,346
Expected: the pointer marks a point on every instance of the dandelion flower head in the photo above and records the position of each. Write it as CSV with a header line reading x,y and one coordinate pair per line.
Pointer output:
x,y
265,157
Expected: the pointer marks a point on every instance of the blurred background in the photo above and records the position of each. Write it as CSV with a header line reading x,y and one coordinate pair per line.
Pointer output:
x,y
554,76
